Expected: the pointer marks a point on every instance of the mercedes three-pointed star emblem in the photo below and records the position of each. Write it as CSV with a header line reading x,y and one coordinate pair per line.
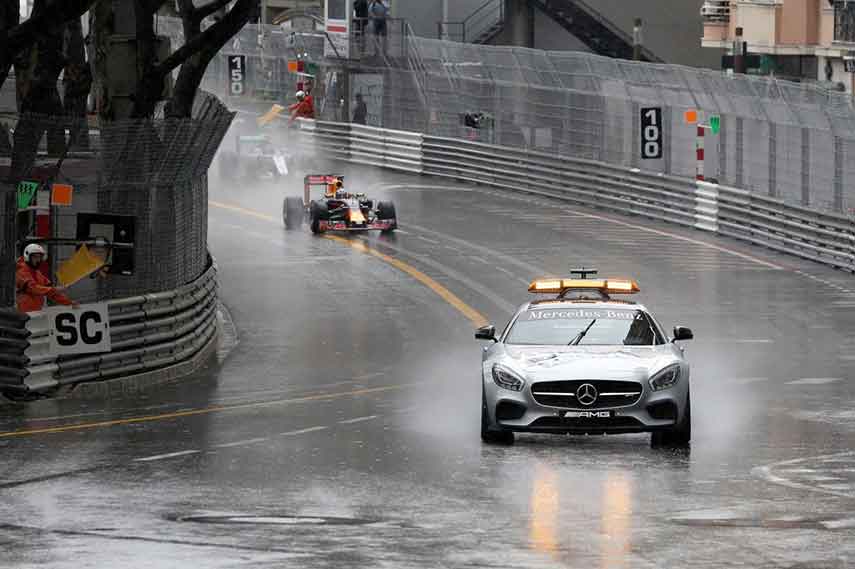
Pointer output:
x,y
586,394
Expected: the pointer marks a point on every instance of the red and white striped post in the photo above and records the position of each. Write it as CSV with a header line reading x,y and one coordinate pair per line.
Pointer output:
x,y
699,153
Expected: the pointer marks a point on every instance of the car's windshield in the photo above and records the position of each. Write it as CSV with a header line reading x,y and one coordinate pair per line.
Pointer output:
x,y
584,327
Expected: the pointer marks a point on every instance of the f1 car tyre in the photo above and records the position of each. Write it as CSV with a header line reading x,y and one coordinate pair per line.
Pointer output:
x,y
386,210
492,436
318,210
678,436
292,212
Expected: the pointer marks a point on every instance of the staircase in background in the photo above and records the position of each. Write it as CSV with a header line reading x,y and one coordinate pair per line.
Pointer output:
x,y
577,17
481,26
592,28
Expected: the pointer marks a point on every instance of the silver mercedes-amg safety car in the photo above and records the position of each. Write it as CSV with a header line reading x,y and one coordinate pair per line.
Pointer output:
x,y
579,361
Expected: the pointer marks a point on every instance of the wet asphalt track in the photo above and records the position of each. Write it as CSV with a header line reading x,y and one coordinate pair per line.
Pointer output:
x,y
342,431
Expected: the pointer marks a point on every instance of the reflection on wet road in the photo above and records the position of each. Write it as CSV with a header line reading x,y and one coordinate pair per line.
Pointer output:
x,y
342,430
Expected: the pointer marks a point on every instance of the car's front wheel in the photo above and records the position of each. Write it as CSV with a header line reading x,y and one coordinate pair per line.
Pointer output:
x,y
319,211
678,436
491,435
386,211
292,212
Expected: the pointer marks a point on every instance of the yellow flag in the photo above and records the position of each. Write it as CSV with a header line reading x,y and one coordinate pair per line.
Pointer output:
x,y
82,264
274,112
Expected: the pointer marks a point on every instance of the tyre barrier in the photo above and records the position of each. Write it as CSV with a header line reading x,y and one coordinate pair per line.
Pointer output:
x,y
823,237
147,333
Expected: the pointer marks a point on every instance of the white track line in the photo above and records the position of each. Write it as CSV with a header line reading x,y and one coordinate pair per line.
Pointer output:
x,y
357,420
168,455
242,443
303,431
814,381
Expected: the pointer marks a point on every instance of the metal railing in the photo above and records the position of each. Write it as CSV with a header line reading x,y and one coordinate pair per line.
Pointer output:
x,y
147,333
822,237
484,20
599,33
373,39
13,344
716,11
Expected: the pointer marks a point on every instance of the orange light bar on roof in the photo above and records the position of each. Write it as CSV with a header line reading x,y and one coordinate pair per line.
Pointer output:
x,y
545,286
609,286
622,286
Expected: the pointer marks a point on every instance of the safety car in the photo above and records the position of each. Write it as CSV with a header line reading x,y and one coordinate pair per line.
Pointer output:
x,y
338,209
577,360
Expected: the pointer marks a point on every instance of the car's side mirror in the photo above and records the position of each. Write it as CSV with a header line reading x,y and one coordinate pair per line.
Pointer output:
x,y
487,332
682,333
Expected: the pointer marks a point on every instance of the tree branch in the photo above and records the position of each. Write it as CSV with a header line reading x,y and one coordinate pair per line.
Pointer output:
x,y
58,12
154,5
215,37
203,12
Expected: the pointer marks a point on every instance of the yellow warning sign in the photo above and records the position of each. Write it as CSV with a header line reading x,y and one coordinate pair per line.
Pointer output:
x,y
82,264
270,115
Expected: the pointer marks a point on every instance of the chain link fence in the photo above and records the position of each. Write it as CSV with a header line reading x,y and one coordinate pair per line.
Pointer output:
x,y
786,140
153,170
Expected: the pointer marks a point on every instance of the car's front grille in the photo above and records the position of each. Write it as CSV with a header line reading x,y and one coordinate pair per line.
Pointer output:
x,y
565,394
587,425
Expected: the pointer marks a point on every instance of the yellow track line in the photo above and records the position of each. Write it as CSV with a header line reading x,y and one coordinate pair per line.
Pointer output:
x,y
195,412
238,209
475,317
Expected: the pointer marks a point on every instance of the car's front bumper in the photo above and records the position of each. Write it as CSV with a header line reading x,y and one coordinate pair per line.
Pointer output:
x,y
519,411
380,225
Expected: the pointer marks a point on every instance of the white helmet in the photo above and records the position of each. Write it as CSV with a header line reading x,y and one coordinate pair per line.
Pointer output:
x,y
34,249
300,95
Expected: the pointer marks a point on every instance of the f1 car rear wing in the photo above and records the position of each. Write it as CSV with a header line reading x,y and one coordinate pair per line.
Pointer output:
x,y
314,180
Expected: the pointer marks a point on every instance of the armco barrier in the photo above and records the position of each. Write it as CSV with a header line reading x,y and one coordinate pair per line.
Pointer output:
x,y
147,333
371,146
13,344
822,237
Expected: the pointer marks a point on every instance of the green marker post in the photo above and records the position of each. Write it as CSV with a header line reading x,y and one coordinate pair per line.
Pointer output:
x,y
26,193
715,124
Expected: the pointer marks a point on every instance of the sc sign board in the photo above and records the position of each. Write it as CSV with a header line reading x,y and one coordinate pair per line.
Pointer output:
x,y
237,75
84,330
651,133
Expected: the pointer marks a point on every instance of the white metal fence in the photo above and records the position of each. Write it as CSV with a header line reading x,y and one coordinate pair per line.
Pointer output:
x,y
760,220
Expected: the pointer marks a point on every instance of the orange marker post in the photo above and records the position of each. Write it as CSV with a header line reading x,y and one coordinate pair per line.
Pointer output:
x,y
691,116
61,194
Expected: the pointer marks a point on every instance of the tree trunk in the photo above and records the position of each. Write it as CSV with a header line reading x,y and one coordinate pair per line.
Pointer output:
x,y
77,81
9,18
101,28
37,72
199,49
180,105
187,85
148,92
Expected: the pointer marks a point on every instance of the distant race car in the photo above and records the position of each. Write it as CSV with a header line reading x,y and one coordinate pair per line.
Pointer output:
x,y
337,210
255,157
579,361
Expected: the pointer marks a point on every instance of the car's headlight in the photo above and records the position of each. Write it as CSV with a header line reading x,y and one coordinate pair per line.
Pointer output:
x,y
666,378
507,379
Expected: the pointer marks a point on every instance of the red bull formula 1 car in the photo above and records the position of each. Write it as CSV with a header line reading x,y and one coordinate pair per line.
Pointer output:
x,y
338,210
